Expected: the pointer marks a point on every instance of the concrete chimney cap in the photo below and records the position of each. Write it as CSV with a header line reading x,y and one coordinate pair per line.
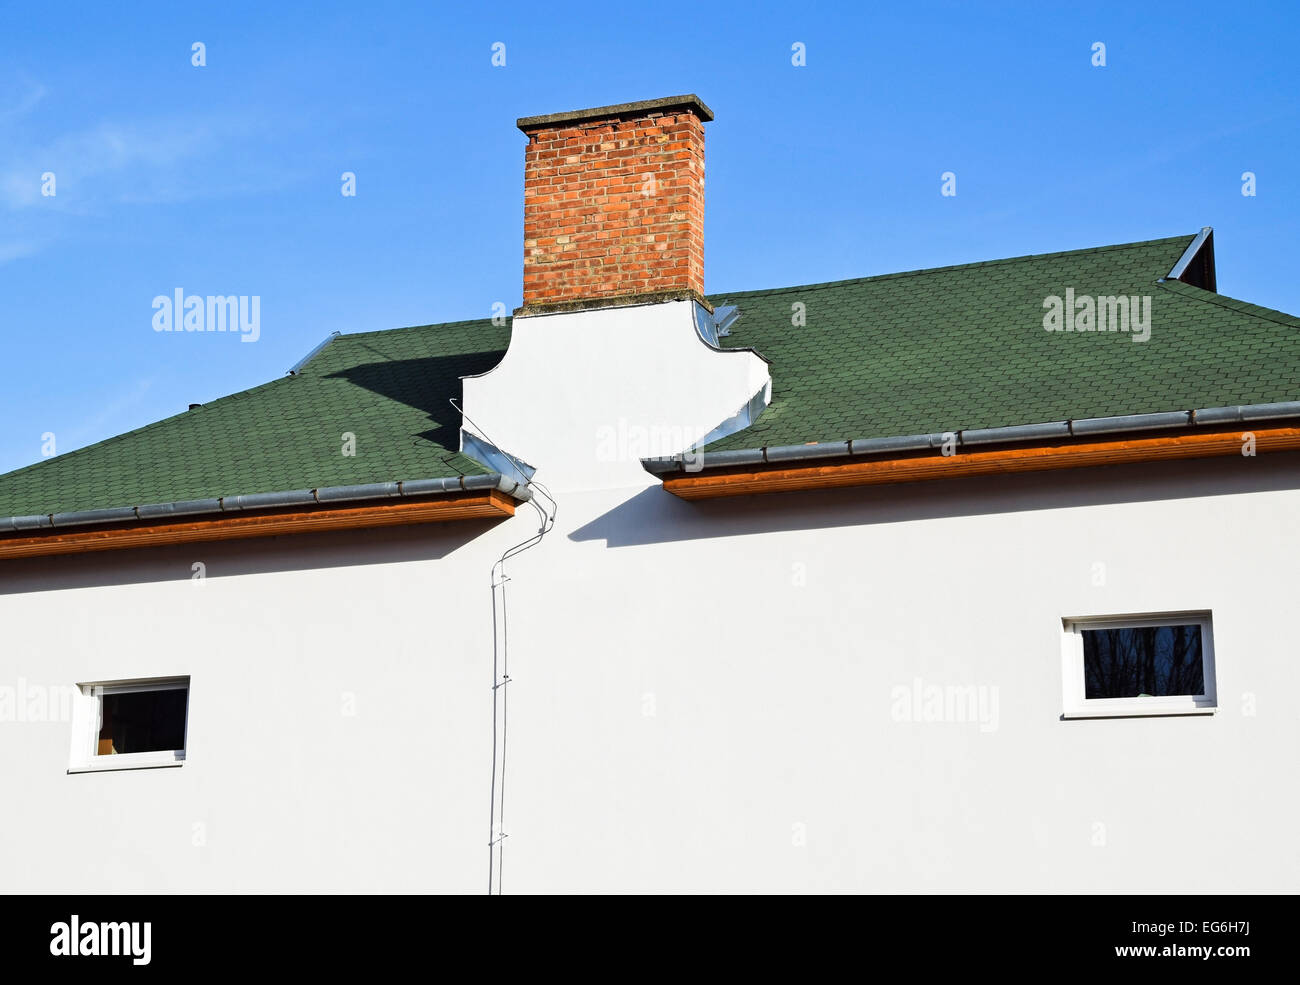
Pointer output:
x,y
690,102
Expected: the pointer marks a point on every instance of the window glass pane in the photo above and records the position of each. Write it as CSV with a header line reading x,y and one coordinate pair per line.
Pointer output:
x,y
143,721
1142,661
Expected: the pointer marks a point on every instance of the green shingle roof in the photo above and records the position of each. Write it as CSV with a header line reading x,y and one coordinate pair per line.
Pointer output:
x,y
391,389
964,347
950,348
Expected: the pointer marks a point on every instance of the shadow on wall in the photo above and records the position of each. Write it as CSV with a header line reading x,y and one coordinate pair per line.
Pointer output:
x,y
655,516
255,555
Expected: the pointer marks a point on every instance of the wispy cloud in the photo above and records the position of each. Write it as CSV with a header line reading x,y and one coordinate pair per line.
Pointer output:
x,y
15,251
106,421
88,164
20,97
123,161
115,164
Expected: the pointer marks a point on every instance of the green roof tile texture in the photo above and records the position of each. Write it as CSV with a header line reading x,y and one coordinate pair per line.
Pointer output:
x,y
391,389
911,353
964,347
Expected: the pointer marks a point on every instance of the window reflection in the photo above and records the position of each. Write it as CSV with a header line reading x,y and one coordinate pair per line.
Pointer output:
x,y
1143,661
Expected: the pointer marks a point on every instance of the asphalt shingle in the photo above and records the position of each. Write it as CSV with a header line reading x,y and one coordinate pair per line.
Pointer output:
x,y
391,389
964,347
949,348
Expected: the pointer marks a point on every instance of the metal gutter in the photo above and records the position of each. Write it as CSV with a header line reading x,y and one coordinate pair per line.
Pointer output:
x,y
1017,432
699,460
260,501
483,451
1132,422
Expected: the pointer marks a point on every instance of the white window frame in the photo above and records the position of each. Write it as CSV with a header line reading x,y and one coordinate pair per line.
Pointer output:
x,y
1077,705
87,719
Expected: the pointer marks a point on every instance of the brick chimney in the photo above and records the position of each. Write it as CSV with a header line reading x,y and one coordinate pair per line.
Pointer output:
x,y
614,205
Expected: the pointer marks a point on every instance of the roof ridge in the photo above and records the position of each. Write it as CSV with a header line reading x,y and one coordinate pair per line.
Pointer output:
x,y
462,323
1114,247
1200,295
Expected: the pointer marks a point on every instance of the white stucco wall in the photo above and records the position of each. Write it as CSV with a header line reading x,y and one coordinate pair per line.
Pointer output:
x,y
587,395
703,694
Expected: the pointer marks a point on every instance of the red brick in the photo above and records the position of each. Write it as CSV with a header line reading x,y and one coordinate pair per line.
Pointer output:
x,y
586,183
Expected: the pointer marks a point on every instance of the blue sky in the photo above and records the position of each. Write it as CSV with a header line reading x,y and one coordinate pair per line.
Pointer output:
x,y
225,179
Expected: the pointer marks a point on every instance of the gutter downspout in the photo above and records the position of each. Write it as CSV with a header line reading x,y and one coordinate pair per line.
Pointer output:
x,y
501,639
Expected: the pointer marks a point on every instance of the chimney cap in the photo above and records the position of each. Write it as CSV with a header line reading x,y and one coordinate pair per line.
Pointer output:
x,y
689,101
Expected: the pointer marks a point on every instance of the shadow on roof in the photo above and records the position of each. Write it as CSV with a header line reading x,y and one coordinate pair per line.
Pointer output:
x,y
427,384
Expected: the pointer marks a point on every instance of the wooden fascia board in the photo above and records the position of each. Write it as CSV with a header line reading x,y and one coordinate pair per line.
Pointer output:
x,y
488,504
1078,453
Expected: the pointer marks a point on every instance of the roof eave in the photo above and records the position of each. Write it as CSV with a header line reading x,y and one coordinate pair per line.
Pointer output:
x,y
262,514
1059,444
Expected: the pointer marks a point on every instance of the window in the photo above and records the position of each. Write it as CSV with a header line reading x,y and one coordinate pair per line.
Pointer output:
x,y
1141,665
130,724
